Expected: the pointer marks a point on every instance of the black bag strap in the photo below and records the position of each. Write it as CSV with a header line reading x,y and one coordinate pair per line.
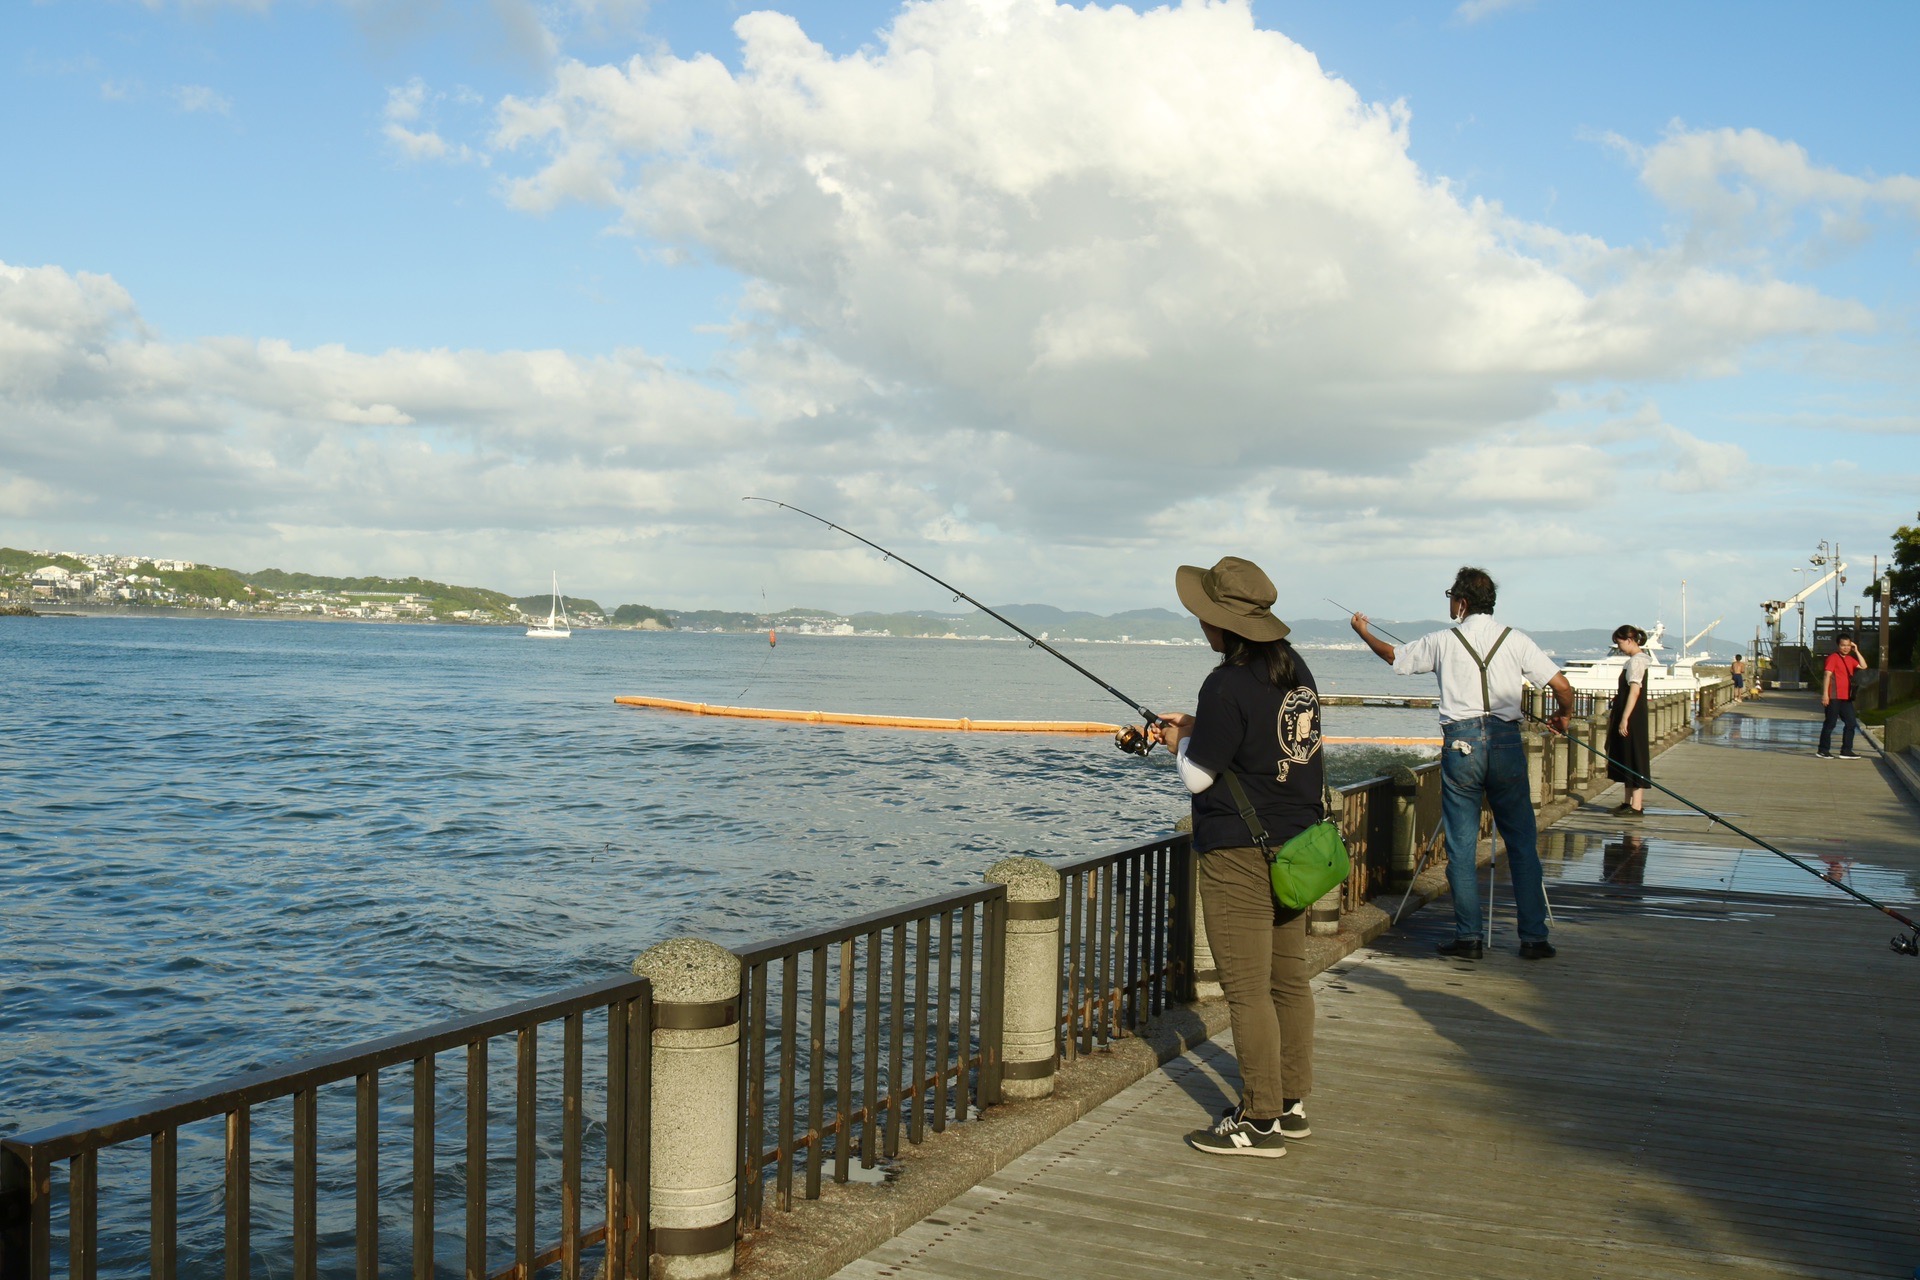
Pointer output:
x,y
1486,690
1259,829
1248,816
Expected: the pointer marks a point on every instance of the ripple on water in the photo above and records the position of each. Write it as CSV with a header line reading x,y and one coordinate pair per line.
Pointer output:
x,y
317,834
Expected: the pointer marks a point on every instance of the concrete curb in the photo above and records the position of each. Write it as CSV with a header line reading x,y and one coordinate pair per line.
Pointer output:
x,y
821,1236
1903,770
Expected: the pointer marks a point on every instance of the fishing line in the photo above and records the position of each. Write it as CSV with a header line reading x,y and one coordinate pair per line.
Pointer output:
x,y
1128,739
754,678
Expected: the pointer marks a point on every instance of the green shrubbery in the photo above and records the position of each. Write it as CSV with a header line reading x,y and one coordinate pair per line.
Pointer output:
x,y
632,615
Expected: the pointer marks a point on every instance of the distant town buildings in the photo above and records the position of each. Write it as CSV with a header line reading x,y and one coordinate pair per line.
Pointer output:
x,y
93,581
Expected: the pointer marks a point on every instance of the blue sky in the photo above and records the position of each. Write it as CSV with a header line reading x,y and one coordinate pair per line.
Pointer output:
x,y
415,287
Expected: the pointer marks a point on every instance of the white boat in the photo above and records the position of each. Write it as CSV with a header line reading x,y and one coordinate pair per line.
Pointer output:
x,y
1602,675
556,627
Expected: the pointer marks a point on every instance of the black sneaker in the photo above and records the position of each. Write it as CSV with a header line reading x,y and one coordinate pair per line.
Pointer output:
x,y
1538,950
1232,1135
1823,755
1850,755
1461,949
1293,1121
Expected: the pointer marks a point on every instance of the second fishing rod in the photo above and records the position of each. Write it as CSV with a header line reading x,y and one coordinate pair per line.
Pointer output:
x,y
1906,946
1129,738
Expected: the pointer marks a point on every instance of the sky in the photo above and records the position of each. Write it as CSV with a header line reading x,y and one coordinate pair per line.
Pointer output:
x,y
1048,298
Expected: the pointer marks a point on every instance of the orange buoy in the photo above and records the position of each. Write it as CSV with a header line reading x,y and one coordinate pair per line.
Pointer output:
x,y
771,640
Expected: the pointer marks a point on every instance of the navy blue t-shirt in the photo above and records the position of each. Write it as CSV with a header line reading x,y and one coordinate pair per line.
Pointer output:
x,y
1271,738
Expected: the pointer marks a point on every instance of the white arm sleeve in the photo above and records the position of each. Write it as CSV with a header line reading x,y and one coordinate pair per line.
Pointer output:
x,y
1196,778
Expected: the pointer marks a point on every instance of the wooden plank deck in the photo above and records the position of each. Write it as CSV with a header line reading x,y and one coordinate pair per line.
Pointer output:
x,y
1717,1077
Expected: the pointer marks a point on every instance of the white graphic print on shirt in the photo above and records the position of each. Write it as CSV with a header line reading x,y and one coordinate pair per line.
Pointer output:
x,y
1299,729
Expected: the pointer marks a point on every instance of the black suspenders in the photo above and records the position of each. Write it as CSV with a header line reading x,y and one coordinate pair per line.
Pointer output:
x,y
1486,692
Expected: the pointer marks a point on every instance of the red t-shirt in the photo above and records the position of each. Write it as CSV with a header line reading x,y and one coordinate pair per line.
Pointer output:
x,y
1841,667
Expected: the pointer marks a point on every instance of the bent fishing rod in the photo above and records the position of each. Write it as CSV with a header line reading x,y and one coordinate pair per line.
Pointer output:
x,y
1907,946
1128,739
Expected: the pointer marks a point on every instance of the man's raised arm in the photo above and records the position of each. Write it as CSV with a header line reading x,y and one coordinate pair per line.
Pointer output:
x,y
1375,643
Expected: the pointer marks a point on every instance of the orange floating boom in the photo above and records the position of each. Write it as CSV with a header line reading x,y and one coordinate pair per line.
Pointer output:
x,y
962,725
870,721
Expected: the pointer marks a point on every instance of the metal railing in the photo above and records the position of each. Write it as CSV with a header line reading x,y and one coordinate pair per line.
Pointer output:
x,y
1126,941
878,1015
1366,816
312,1158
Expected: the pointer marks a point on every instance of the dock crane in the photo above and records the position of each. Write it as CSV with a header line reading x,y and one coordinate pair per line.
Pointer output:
x,y
1774,609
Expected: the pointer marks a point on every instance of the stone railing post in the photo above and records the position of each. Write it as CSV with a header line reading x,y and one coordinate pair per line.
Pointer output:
x,y
1206,971
1031,1001
1406,819
1579,763
695,1106
1323,917
1597,740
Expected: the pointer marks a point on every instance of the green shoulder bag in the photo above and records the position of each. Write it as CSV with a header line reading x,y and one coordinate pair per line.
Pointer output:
x,y
1306,867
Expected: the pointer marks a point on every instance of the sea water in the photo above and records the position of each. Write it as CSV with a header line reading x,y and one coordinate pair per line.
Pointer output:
x,y
228,843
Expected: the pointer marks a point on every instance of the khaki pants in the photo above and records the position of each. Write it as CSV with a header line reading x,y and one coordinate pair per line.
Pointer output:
x,y
1260,948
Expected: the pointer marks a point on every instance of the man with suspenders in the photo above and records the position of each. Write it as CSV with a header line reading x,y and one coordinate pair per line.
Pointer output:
x,y
1482,666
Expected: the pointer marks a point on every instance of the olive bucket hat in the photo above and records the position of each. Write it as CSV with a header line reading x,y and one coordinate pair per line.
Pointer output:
x,y
1234,595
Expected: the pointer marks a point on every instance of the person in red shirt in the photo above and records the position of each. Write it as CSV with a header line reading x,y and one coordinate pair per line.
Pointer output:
x,y
1836,695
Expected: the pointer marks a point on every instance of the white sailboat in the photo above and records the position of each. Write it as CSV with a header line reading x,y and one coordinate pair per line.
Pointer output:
x,y
556,627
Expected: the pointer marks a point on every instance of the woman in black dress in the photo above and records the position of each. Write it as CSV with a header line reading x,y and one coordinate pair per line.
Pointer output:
x,y
1629,750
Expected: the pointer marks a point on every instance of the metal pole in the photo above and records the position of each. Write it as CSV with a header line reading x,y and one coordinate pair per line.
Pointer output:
x,y
1886,639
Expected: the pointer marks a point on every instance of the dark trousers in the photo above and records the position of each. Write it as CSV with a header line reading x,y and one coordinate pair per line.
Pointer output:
x,y
1839,709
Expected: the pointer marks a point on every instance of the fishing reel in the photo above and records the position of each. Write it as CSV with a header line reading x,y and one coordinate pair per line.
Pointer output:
x,y
1907,946
1133,740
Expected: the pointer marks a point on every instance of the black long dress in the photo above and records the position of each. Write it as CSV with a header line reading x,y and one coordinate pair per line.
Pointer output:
x,y
1635,750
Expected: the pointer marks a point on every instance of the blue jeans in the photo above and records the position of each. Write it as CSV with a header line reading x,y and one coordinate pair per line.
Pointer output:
x,y
1484,757
1840,709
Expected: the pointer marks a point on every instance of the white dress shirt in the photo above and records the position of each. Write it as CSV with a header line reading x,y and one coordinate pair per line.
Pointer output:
x,y
1518,660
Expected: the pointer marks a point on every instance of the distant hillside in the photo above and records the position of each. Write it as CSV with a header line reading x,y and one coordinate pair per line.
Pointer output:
x,y
541,604
207,582
13,560
1585,642
1041,619
640,615
729,620
442,597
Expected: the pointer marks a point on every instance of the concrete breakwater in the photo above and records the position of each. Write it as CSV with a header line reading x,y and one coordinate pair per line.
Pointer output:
x,y
764,1107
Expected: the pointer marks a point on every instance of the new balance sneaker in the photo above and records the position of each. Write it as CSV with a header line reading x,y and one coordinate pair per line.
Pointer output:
x,y
1823,755
1293,1119
1233,1135
1851,755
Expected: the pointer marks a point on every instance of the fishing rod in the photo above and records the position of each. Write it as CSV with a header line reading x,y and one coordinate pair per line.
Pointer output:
x,y
1907,946
1128,739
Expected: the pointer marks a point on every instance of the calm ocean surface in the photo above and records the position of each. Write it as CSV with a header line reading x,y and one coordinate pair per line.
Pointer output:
x,y
229,843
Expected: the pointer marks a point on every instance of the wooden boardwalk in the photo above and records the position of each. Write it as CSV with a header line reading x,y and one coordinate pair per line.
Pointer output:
x,y
1719,1076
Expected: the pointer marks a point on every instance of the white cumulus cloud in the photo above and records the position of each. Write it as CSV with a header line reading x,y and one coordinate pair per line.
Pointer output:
x,y
1102,230
198,98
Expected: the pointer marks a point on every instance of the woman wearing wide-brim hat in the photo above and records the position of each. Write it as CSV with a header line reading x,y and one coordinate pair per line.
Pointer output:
x,y
1258,714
